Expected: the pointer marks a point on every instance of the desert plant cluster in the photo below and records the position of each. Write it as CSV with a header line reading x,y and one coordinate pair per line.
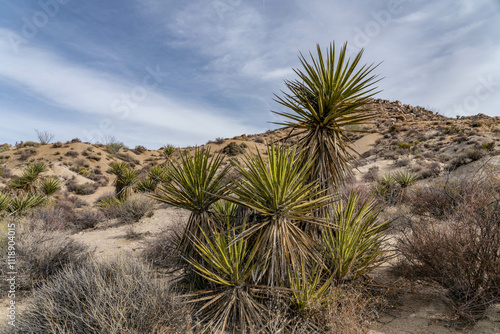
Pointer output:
x,y
284,237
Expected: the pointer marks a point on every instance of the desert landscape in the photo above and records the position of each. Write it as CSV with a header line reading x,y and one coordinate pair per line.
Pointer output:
x,y
435,180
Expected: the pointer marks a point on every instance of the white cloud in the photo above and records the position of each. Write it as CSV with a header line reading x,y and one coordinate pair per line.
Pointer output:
x,y
78,89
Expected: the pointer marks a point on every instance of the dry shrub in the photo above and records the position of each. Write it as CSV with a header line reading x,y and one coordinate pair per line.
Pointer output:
x,y
132,210
123,296
162,249
461,253
88,218
54,218
81,189
351,312
41,255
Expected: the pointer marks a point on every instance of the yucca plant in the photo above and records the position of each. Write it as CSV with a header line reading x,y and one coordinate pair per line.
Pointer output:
x,y
279,193
354,244
29,179
168,150
145,185
311,290
405,178
4,201
23,201
126,177
330,95
50,185
232,300
158,173
195,184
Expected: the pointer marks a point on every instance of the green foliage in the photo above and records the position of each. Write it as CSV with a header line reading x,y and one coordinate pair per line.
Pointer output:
x,y
29,179
353,243
168,150
50,185
126,177
145,185
195,184
329,96
489,146
404,145
232,149
311,290
5,201
280,193
23,201
405,178
233,300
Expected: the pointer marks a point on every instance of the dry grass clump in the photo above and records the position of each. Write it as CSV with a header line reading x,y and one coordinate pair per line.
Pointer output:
x,y
461,253
131,210
41,255
88,218
161,251
123,296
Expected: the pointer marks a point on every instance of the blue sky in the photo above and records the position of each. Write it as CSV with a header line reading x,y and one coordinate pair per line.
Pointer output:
x,y
153,72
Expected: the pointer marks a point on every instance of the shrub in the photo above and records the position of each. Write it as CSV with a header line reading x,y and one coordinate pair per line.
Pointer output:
x,y
114,146
168,150
57,144
76,140
489,146
466,157
81,189
371,175
140,149
41,255
259,140
88,218
402,162
116,297
54,218
134,209
162,249
72,154
232,149
44,137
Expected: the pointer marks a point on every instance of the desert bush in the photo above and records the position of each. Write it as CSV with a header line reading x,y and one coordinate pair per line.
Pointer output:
x,y
371,175
161,251
140,149
57,144
44,137
54,218
402,162
259,140
135,208
466,157
489,146
462,253
81,189
113,146
112,297
88,218
232,149
72,154
41,255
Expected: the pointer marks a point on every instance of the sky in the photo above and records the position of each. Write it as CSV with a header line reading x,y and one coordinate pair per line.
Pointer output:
x,y
156,72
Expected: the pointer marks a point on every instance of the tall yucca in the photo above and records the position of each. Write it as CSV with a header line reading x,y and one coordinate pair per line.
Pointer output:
x,y
195,184
331,94
279,192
